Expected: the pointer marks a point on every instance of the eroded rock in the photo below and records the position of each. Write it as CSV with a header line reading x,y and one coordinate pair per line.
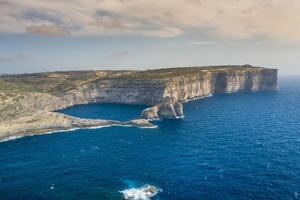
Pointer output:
x,y
150,113
170,108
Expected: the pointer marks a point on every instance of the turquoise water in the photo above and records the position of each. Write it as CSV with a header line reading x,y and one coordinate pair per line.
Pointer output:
x,y
235,146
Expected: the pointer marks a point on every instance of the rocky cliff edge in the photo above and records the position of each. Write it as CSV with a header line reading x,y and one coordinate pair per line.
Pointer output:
x,y
29,101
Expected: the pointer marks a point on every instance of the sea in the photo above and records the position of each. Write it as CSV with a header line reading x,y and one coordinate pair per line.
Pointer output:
x,y
231,146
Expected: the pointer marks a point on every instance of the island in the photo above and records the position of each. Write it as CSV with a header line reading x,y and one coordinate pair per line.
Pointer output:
x,y
28,102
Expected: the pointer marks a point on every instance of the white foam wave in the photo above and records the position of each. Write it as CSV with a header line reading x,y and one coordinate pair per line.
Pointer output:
x,y
154,119
67,130
52,187
145,192
97,127
196,98
179,117
27,135
154,126
11,138
50,132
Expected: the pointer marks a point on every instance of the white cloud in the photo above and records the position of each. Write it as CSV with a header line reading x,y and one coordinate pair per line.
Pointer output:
x,y
234,19
50,30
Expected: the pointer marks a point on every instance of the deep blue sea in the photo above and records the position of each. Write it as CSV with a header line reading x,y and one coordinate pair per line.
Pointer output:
x,y
233,146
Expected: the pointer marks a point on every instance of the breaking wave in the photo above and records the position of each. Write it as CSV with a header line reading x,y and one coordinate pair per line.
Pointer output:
x,y
145,192
196,98
28,135
69,130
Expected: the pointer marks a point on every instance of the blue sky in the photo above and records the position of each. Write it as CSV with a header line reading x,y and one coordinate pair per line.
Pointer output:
x,y
37,36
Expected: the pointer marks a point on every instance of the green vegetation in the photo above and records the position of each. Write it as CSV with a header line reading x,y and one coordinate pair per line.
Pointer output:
x,y
58,83
50,82
17,87
182,71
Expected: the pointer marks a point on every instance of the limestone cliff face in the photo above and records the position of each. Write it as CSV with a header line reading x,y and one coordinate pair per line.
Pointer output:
x,y
178,88
248,80
208,83
144,87
124,91
189,87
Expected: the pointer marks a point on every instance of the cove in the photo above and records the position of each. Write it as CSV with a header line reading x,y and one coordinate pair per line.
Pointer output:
x,y
120,112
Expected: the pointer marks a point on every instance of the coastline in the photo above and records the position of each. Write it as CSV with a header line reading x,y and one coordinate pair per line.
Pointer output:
x,y
31,110
10,138
50,122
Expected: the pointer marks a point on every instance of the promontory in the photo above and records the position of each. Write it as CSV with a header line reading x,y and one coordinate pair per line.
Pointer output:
x,y
28,102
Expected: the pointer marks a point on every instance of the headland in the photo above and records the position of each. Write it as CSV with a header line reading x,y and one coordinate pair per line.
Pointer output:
x,y
29,101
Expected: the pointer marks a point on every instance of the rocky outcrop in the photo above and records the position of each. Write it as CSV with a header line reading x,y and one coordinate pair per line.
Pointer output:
x,y
169,108
151,112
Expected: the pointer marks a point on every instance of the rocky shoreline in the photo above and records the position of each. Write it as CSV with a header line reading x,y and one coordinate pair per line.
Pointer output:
x,y
29,101
51,122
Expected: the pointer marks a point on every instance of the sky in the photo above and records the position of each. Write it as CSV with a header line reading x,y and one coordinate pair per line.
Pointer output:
x,y
56,35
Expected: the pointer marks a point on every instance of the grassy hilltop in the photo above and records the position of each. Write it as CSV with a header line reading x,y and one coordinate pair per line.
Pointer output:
x,y
57,83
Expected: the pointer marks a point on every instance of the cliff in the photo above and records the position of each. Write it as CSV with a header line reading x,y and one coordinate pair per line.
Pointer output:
x,y
27,95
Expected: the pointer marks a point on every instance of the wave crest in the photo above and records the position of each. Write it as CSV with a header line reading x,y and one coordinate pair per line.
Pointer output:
x,y
145,192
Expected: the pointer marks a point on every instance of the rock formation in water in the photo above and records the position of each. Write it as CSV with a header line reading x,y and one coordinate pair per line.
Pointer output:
x,y
28,100
169,108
